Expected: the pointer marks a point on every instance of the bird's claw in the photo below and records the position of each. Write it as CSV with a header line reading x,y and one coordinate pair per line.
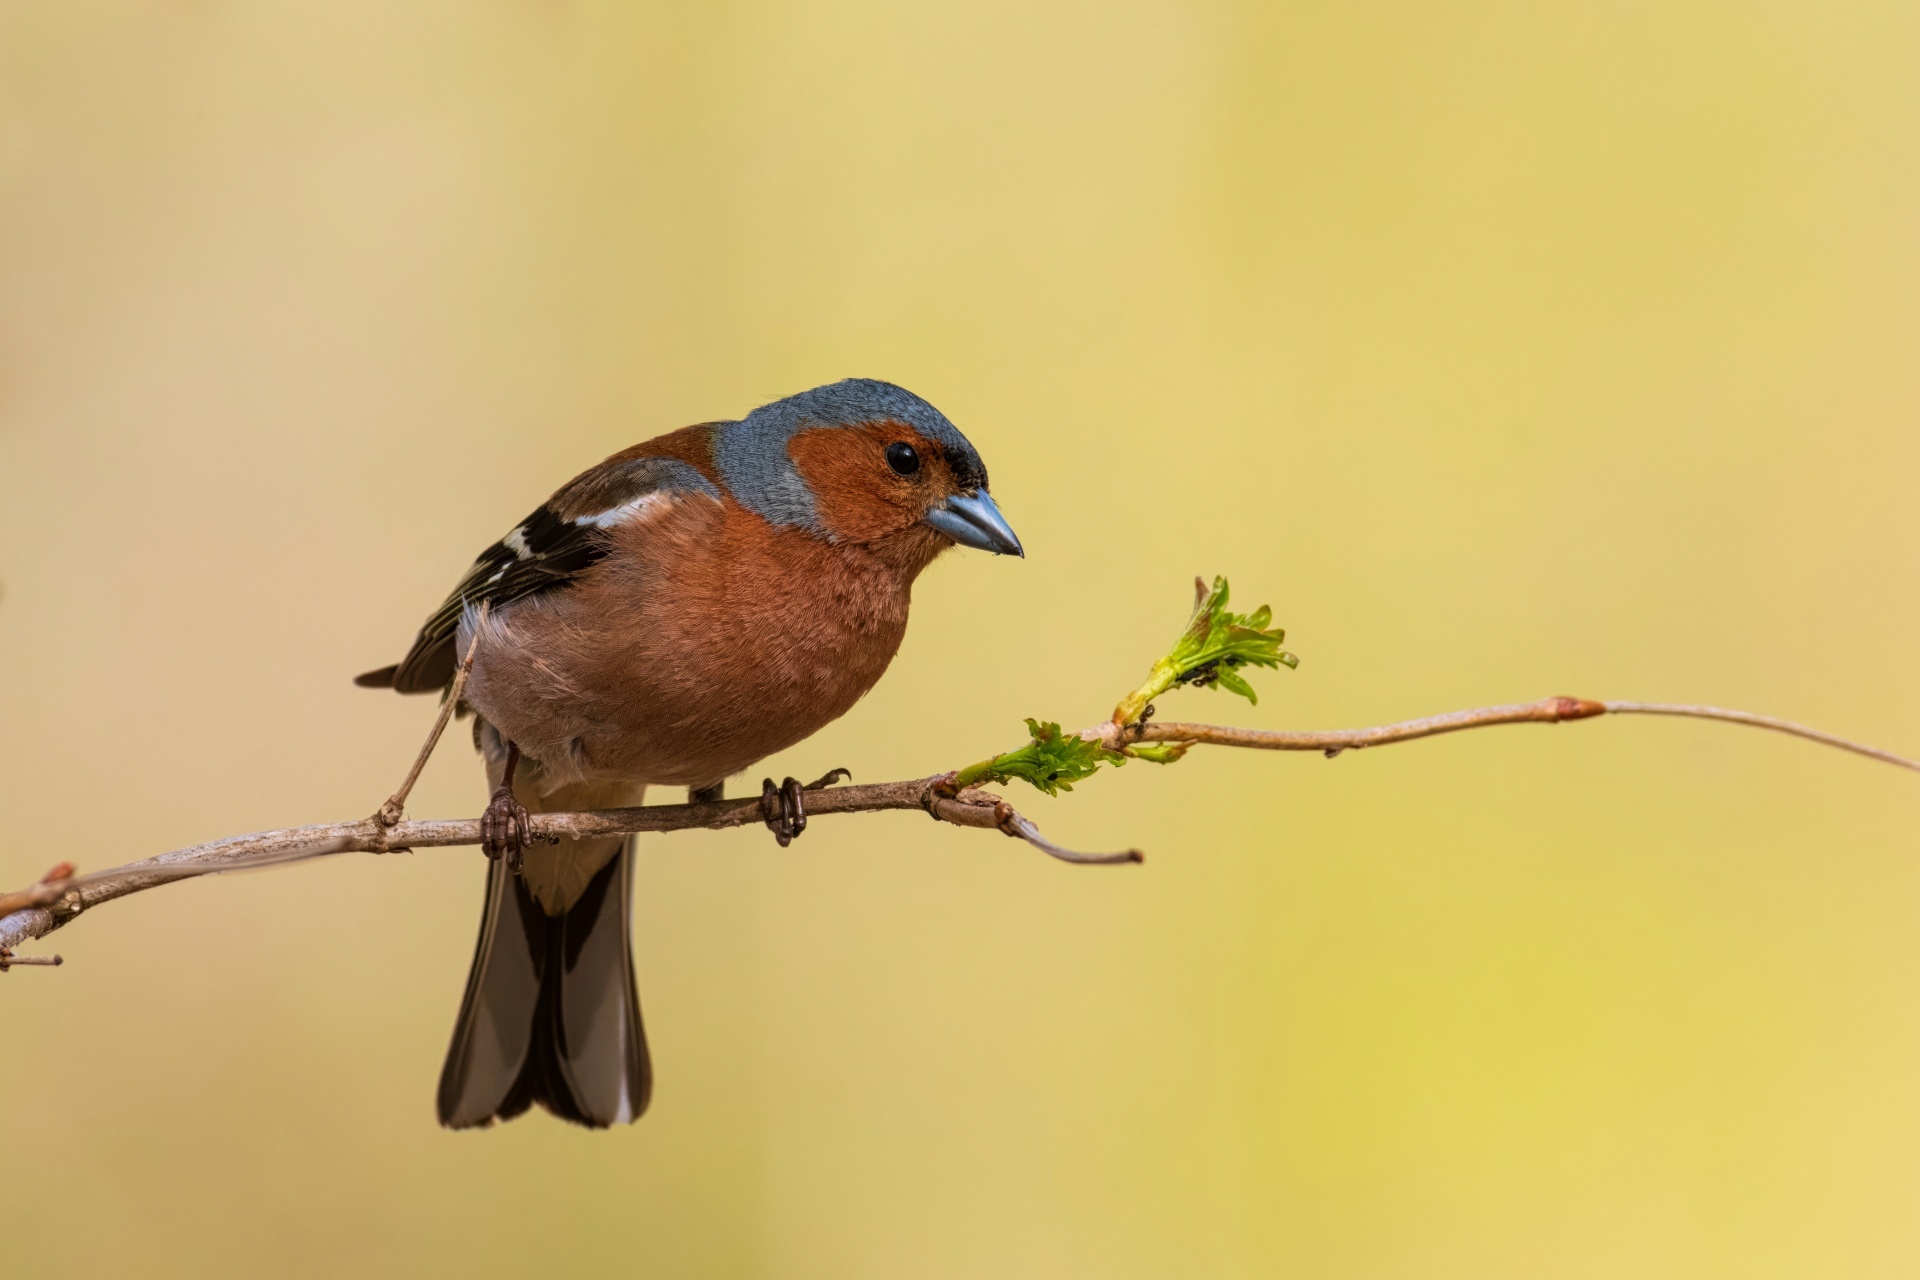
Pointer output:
x,y
784,812
504,829
828,778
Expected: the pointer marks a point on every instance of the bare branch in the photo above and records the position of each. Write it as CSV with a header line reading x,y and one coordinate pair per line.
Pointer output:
x,y
38,911
60,896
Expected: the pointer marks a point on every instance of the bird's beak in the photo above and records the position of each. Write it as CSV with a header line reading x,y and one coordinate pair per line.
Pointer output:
x,y
972,520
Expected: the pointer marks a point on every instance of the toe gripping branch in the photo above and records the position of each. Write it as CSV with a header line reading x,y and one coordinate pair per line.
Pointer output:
x,y
784,809
503,829
503,825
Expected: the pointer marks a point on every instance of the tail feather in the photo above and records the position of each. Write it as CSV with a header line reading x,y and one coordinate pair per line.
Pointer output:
x,y
551,1013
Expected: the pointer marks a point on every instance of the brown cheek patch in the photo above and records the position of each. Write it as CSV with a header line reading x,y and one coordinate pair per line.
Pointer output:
x,y
858,496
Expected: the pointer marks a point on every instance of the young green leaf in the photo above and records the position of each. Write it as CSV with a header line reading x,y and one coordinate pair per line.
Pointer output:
x,y
1209,653
1053,761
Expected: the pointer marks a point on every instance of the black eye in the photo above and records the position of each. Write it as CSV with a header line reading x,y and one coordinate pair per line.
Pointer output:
x,y
902,458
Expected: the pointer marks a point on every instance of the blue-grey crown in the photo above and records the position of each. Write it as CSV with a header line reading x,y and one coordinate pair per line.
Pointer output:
x,y
752,453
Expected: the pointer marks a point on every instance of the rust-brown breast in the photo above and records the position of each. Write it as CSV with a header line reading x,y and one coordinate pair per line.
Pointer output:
x,y
707,640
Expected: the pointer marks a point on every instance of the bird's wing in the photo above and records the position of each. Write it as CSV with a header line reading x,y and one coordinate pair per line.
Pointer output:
x,y
563,538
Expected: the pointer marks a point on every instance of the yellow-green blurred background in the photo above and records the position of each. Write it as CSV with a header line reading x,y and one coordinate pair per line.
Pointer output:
x,y
1507,349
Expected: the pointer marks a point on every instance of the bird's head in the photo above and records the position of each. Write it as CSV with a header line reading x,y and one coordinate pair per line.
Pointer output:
x,y
864,462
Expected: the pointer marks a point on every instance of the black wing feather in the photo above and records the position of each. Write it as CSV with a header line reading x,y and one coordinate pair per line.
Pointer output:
x,y
563,538
542,554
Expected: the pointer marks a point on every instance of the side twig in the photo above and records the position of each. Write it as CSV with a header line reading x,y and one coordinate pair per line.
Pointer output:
x,y
395,808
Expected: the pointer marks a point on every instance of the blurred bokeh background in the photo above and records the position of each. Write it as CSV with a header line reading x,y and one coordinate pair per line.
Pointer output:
x,y
1506,349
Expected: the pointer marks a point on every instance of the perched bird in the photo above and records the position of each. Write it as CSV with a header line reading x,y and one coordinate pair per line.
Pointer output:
x,y
676,613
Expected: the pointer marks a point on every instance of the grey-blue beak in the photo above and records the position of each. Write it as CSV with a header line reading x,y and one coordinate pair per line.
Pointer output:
x,y
972,520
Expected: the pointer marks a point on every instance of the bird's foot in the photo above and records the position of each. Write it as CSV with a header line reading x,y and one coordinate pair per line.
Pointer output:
x,y
784,812
827,779
708,795
503,829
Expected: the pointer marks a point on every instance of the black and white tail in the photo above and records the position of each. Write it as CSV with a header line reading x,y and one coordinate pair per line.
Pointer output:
x,y
551,1013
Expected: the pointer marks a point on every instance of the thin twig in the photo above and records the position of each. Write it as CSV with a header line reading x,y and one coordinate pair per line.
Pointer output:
x,y
396,806
976,808
46,906
1334,741
1016,825
1759,722
1545,711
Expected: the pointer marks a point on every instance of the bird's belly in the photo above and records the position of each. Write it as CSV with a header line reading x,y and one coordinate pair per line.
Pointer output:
x,y
691,725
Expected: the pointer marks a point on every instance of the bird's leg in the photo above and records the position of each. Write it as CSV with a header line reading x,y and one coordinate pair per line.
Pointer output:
x,y
784,812
708,795
503,824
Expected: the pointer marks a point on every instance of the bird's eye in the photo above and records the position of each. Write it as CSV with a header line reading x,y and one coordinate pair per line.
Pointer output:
x,y
902,458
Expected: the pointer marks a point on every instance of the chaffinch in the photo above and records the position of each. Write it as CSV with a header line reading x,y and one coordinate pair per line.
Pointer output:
x,y
672,615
